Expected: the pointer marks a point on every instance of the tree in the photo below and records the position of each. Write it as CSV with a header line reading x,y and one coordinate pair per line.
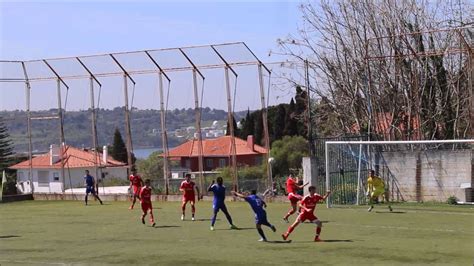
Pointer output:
x,y
300,113
300,101
151,167
236,129
326,121
278,122
248,126
423,95
6,147
258,129
291,127
288,153
6,159
119,150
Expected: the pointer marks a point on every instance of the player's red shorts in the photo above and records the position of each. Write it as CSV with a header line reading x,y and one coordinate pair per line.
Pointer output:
x,y
307,216
294,198
189,198
136,190
146,207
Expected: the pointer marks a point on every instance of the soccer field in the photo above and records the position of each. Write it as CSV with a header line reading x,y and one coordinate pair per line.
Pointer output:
x,y
52,232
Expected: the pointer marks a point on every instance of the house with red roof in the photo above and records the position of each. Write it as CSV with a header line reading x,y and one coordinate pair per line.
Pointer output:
x,y
397,127
217,153
47,169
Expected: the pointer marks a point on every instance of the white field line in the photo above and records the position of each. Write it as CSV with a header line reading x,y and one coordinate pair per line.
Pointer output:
x,y
35,262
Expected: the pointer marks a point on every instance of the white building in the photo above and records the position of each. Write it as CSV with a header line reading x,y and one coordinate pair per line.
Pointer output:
x,y
47,169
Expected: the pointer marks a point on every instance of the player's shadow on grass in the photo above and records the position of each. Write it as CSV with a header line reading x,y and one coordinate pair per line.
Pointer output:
x,y
166,226
279,241
203,220
330,241
337,240
239,228
8,236
394,212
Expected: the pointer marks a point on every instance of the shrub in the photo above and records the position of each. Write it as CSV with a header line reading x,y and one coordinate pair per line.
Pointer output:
x,y
452,200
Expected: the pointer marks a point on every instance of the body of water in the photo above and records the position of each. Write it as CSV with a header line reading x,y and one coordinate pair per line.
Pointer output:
x,y
144,153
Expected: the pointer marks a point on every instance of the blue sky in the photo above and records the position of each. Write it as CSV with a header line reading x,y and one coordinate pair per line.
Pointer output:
x,y
32,30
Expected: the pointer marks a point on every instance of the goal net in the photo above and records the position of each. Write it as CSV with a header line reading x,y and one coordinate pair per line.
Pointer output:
x,y
415,171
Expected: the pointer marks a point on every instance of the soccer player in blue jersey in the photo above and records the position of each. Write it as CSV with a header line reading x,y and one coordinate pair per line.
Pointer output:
x,y
90,184
258,206
218,203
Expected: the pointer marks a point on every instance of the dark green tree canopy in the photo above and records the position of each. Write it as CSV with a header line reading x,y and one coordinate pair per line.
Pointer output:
x,y
291,128
248,126
6,146
236,129
119,150
6,159
288,153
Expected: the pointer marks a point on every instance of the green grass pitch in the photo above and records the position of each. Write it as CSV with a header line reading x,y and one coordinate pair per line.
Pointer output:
x,y
49,232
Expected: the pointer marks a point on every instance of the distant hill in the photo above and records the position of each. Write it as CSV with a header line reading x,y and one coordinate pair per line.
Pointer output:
x,y
145,126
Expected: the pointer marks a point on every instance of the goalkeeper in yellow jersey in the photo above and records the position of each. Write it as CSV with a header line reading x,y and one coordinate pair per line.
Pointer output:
x,y
375,188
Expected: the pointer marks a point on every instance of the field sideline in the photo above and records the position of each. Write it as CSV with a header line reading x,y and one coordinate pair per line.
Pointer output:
x,y
67,232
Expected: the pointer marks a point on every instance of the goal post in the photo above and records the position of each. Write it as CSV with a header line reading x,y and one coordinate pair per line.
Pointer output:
x,y
423,170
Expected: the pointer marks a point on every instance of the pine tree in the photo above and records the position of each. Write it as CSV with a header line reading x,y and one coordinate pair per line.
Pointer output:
x,y
258,136
6,159
291,128
119,150
300,113
6,148
300,101
278,122
248,126
236,129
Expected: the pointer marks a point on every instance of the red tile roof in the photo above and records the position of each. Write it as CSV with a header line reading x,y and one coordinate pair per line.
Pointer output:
x,y
215,147
384,126
73,158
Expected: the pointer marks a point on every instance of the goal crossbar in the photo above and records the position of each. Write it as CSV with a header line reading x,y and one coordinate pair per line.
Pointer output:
x,y
327,143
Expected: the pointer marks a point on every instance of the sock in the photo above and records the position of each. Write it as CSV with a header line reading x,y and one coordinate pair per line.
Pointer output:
x,y
183,207
152,219
260,232
213,219
193,209
290,229
318,231
227,215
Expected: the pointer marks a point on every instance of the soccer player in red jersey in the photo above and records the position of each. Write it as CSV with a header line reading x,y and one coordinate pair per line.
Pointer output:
x,y
145,201
135,186
188,187
291,187
308,204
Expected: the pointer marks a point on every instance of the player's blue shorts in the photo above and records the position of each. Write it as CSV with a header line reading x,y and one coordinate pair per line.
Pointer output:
x,y
90,189
219,206
261,218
